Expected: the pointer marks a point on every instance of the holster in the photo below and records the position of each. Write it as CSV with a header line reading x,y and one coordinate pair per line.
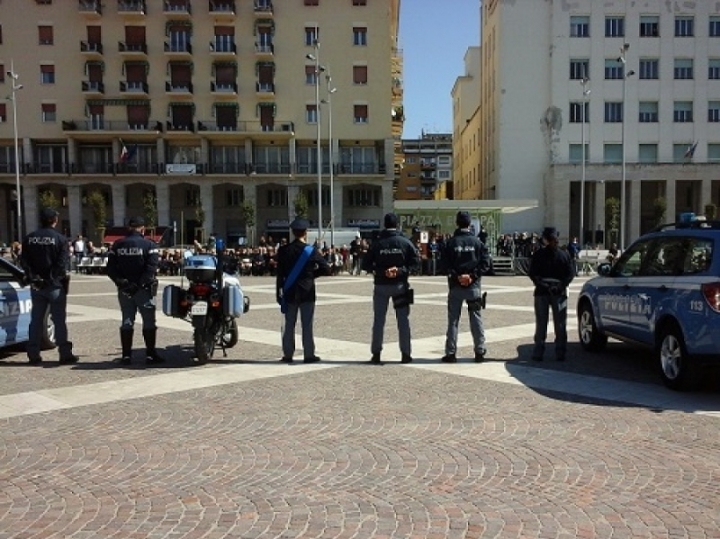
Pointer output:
x,y
477,304
405,299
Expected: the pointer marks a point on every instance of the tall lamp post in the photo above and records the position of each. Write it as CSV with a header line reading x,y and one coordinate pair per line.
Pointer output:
x,y
318,68
15,87
328,101
623,209
586,92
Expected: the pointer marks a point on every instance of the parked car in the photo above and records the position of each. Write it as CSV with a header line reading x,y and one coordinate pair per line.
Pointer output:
x,y
15,307
664,293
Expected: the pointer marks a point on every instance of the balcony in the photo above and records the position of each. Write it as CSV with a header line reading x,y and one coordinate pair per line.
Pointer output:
x,y
96,124
134,87
211,128
174,87
90,8
129,50
178,48
265,89
132,8
359,168
178,9
227,88
428,165
263,8
91,48
221,167
264,50
93,87
220,8
215,127
139,168
222,46
179,127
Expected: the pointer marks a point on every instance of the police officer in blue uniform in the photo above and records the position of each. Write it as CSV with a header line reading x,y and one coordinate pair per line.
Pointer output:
x,y
465,259
298,296
44,257
132,266
551,270
391,258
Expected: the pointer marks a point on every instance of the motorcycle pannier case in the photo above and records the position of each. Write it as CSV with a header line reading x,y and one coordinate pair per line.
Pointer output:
x,y
172,297
233,301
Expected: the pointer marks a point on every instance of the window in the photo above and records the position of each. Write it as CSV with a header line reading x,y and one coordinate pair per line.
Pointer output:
x,y
2,73
614,69
48,112
612,153
1,33
649,68
681,152
714,30
576,112
359,2
714,111
580,26
683,68
312,35
311,116
714,69
360,36
648,112
614,26
192,197
364,196
3,112
647,153
45,34
360,114
649,26
579,69
360,75
613,111
684,26
443,174
312,2
310,75
683,111
277,197
576,153
234,197
713,155
47,74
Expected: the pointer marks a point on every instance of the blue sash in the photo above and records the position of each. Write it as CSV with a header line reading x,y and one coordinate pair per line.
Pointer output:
x,y
297,268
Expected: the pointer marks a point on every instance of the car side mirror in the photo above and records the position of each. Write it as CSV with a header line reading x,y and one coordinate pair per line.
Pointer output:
x,y
604,269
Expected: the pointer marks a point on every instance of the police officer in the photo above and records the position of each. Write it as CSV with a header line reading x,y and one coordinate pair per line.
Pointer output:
x,y
551,271
44,258
295,289
465,259
391,258
132,266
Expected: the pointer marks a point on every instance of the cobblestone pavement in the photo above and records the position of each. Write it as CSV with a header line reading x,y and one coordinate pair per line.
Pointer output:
x,y
246,447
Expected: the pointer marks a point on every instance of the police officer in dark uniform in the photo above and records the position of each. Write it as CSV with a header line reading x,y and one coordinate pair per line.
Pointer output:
x,y
132,266
466,259
44,257
300,294
551,270
391,258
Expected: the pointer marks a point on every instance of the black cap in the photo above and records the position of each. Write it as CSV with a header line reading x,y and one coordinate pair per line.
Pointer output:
x,y
550,232
300,224
48,214
391,220
462,219
136,222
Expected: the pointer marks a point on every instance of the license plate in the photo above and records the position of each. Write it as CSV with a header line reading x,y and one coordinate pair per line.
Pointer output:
x,y
199,309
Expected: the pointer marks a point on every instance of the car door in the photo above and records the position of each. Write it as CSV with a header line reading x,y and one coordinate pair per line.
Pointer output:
x,y
11,328
613,301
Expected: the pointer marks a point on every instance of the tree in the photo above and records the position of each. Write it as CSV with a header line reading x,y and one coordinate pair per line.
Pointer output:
x,y
247,210
150,208
47,199
98,204
659,210
301,205
612,217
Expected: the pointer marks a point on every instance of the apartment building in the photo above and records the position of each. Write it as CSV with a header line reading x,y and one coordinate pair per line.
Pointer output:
x,y
208,107
650,122
427,164
466,131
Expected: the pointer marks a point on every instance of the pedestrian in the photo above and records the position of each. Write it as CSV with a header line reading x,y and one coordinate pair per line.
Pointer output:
x,y
45,258
466,259
391,258
132,265
573,250
78,251
298,265
551,271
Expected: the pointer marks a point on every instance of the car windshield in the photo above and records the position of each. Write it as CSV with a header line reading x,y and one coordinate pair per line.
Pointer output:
x,y
6,272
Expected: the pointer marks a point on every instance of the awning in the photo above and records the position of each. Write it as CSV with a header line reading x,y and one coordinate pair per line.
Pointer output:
x,y
258,65
175,24
503,206
94,63
111,238
264,22
118,102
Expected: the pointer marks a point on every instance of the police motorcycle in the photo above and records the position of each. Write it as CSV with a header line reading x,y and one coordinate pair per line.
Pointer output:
x,y
212,302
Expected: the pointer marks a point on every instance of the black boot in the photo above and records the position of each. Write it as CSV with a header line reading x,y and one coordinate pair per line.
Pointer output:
x,y
151,354
126,341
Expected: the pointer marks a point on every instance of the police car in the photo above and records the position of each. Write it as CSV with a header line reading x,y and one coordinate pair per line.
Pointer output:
x,y
15,307
663,292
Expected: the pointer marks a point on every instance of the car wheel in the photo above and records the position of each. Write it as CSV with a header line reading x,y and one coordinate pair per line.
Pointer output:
x,y
48,336
676,368
590,337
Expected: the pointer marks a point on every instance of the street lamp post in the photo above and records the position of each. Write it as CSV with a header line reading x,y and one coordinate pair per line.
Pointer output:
x,y
328,101
318,68
15,88
586,92
623,209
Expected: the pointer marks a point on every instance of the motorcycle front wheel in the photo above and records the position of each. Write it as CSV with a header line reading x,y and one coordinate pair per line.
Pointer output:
x,y
204,341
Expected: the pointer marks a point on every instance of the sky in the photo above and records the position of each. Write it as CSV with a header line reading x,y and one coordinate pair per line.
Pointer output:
x,y
434,36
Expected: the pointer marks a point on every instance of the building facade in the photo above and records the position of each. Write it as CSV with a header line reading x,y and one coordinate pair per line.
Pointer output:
x,y
208,110
650,122
466,131
427,164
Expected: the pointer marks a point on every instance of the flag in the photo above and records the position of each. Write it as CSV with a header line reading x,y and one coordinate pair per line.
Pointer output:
x,y
690,151
123,152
